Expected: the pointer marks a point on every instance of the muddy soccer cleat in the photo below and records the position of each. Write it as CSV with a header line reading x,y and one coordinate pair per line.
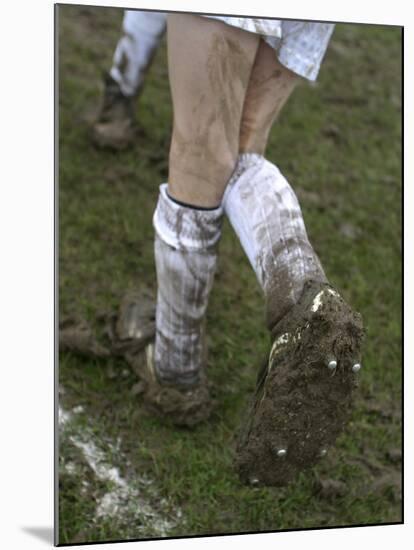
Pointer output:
x,y
304,393
115,126
182,405
132,337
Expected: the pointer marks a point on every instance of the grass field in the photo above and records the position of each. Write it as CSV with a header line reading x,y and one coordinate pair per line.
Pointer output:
x,y
122,473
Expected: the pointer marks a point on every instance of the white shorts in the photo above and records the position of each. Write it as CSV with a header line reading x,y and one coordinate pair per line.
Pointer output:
x,y
300,45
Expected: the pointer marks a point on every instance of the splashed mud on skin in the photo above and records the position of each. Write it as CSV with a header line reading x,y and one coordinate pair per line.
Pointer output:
x,y
133,499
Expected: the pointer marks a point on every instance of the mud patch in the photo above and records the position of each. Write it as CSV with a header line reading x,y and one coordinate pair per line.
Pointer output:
x,y
76,336
388,486
115,334
330,489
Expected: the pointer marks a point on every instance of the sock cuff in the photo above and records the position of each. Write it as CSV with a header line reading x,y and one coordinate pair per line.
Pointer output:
x,y
253,172
192,206
186,227
244,162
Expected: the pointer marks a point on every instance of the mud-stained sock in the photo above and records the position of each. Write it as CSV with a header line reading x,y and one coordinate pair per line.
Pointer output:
x,y
185,256
265,214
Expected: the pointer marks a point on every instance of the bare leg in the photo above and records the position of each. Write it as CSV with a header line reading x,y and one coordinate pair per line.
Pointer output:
x,y
209,69
269,88
299,407
260,203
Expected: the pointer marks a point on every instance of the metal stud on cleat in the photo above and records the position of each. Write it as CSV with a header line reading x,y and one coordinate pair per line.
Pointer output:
x,y
332,364
323,452
356,367
254,481
281,453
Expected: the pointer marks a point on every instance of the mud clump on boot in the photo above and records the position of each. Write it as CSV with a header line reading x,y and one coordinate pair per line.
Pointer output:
x,y
182,407
178,404
303,398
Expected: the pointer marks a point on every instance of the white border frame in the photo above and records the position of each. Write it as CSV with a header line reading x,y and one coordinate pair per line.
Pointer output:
x,y
27,301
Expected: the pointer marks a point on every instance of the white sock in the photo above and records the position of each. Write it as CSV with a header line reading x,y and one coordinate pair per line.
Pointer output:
x,y
185,257
142,32
266,216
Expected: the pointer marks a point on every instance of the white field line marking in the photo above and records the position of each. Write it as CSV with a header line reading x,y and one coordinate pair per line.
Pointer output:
x,y
128,500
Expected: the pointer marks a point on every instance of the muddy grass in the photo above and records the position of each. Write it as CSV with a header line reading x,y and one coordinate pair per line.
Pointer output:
x,y
338,143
